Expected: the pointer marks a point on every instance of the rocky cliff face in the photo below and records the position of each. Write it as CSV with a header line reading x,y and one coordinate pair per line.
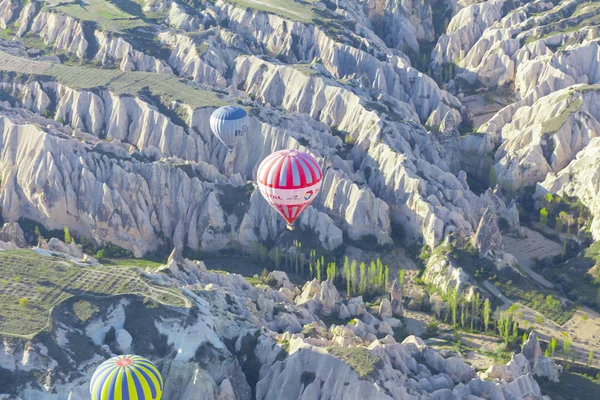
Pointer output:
x,y
548,54
389,170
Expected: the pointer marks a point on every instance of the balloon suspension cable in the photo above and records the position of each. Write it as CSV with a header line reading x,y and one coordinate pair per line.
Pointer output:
x,y
290,227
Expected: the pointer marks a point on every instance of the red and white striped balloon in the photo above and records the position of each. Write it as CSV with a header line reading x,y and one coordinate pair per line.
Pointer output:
x,y
289,180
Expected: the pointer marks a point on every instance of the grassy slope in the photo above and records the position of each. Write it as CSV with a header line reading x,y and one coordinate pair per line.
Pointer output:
x,y
46,281
582,273
286,8
359,358
102,12
167,87
571,387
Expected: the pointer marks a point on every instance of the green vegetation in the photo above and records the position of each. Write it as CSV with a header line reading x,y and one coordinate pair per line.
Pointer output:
x,y
141,263
542,301
586,14
106,15
565,214
359,358
290,9
166,87
572,386
508,328
555,123
432,329
84,310
304,68
579,277
39,283
543,217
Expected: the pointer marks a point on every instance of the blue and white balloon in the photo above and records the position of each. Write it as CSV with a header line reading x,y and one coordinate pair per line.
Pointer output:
x,y
228,123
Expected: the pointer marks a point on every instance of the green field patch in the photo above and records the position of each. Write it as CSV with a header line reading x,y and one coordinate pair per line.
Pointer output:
x,y
107,15
581,274
141,263
542,301
294,10
33,284
554,124
360,359
585,15
304,69
84,310
166,87
572,386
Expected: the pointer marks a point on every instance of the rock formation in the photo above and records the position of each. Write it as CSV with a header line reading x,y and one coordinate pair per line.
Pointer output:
x,y
12,232
488,239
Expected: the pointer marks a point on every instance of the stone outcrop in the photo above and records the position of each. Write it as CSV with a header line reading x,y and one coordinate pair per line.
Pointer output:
x,y
530,362
581,178
12,232
443,273
70,249
488,239
396,301
183,269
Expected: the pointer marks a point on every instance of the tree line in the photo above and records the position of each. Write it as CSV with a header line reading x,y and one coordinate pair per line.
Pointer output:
x,y
357,278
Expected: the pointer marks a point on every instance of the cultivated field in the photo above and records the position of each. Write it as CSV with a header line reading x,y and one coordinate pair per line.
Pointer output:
x,y
534,245
32,284
286,8
167,87
102,12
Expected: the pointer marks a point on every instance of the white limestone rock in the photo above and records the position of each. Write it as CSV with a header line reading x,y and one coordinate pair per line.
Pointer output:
x,y
12,232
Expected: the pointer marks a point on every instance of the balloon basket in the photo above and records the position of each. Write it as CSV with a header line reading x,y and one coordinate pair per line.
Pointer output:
x,y
290,227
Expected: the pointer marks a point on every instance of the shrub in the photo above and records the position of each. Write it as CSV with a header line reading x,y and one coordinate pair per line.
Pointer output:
x,y
432,328
359,358
24,301
112,251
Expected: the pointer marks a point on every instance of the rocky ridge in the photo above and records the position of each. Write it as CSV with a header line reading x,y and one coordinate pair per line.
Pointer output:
x,y
393,172
234,330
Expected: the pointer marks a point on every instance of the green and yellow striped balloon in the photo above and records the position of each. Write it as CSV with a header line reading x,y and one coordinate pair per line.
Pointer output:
x,y
126,377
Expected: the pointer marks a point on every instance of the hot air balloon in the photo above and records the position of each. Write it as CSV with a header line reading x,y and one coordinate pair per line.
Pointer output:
x,y
289,180
126,377
227,123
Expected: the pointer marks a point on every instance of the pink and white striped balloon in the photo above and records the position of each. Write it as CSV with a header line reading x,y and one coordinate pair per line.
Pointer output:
x,y
289,180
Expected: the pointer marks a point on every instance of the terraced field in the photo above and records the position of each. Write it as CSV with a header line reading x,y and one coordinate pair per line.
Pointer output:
x,y
167,87
103,13
32,285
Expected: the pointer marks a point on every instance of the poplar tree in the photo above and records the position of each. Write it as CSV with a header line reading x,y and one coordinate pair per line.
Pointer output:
x,y
401,279
318,267
353,275
553,344
68,238
363,277
487,308
387,278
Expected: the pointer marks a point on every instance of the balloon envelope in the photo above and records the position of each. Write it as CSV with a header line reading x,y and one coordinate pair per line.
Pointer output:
x,y
229,122
289,180
126,377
